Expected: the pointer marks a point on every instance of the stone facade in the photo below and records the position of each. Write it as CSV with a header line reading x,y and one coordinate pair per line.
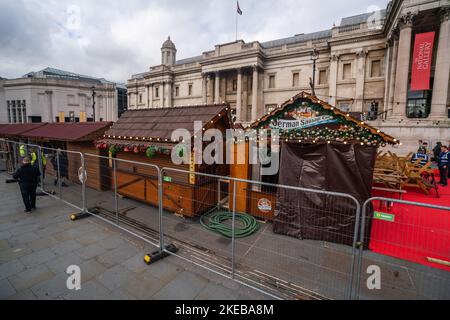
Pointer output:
x,y
363,61
46,95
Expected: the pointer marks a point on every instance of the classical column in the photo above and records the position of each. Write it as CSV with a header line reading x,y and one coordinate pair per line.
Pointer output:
x,y
205,88
169,94
147,96
333,78
150,95
360,79
392,72
128,100
136,99
239,96
442,69
403,59
255,94
217,88
161,95
49,96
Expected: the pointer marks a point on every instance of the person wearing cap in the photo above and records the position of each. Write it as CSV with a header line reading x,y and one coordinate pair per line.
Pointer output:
x,y
28,177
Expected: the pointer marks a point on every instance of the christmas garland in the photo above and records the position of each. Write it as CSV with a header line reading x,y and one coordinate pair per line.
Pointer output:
x,y
149,150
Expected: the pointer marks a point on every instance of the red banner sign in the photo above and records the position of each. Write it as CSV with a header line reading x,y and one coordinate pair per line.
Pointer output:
x,y
421,65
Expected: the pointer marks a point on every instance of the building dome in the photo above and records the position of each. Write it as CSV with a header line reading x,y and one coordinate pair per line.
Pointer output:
x,y
168,44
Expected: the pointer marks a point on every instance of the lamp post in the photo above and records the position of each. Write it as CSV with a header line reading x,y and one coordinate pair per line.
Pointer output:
x,y
314,57
93,102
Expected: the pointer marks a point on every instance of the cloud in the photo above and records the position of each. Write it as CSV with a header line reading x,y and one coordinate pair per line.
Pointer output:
x,y
115,39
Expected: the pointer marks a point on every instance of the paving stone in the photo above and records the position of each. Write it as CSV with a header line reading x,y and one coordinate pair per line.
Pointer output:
x,y
6,290
91,290
93,237
49,230
60,263
186,286
52,288
9,268
75,233
163,271
42,243
24,229
115,277
119,294
91,269
13,253
23,238
143,287
111,242
38,257
216,292
23,295
30,277
136,263
118,255
65,247
5,235
4,244
90,251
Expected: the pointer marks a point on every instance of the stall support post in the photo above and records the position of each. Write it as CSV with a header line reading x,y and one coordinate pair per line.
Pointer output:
x,y
115,191
160,200
41,167
233,244
83,184
58,174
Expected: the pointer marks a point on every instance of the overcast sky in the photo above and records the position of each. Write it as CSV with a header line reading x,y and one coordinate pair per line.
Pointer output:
x,y
115,39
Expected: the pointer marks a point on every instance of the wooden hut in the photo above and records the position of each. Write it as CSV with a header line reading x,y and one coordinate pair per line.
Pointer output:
x,y
321,147
77,136
145,136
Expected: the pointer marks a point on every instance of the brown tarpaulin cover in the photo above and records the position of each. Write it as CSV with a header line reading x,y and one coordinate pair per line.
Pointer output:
x,y
331,167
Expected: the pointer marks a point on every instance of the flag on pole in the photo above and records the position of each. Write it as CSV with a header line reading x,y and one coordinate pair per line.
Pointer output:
x,y
239,11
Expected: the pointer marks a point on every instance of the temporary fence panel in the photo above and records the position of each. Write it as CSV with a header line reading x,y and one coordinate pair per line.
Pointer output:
x,y
408,251
121,191
305,245
189,201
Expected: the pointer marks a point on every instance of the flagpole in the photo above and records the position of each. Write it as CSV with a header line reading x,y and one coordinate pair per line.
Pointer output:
x,y
236,25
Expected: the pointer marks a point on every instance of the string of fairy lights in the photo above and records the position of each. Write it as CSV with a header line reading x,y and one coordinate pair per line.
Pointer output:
x,y
342,129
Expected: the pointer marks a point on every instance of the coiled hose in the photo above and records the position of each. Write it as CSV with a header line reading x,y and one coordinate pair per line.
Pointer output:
x,y
245,224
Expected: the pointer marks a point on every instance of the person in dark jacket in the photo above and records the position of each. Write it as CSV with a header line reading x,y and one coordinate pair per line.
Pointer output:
x,y
28,177
437,151
443,165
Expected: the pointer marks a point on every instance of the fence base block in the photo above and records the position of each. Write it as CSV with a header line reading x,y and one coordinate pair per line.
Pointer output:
x,y
79,215
158,255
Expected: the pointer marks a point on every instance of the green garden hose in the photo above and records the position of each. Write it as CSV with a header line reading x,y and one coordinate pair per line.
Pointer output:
x,y
245,225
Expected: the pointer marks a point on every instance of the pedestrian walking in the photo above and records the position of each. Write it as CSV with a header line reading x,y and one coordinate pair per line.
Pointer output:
x,y
28,177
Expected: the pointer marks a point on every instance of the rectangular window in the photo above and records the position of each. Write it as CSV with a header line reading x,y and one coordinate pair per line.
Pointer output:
x,y
9,111
375,69
271,82
322,76
344,106
295,79
177,91
157,92
346,71
190,89
140,98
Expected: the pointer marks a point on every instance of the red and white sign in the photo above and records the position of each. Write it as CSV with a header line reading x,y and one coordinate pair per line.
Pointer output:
x,y
421,64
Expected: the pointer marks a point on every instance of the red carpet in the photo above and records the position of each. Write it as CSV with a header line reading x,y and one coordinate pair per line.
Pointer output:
x,y
416,232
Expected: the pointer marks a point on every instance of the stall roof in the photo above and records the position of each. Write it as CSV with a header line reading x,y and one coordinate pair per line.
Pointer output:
x,y
77,131
15,129
160,123
348,116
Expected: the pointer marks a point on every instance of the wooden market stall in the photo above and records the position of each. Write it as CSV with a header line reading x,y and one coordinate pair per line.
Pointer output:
x,y
77,137
145,137
321,147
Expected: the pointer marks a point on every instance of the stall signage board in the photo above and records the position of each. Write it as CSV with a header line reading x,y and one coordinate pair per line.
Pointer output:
x,y
167,179
300,118
384,216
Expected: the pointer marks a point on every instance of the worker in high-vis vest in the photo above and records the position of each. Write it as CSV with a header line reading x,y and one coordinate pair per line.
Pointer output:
x,y
35,163
22,151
